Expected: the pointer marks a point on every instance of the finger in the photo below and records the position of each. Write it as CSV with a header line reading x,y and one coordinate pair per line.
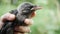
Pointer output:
x,y
10,17
7,16
22,29
19,33
28,22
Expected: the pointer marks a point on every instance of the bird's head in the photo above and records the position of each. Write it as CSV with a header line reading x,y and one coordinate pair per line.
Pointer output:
x,y
27,8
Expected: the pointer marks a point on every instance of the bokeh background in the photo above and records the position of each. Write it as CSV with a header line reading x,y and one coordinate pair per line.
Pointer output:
x,y
46,21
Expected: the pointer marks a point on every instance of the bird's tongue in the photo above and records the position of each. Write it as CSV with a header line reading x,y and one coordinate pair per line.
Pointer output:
x,y
36,8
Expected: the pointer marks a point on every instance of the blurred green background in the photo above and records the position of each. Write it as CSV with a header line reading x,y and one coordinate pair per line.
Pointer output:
x,y
46,21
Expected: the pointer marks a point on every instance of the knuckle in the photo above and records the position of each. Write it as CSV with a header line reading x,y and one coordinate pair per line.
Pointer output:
x,y
18,33
28,21
22,29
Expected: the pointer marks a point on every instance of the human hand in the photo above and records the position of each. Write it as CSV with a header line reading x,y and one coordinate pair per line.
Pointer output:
x,y
19,29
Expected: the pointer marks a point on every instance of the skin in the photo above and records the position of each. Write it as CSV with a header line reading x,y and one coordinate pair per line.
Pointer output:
x,y
11,17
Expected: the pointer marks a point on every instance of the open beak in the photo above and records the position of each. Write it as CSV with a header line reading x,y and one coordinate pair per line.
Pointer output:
x,y
36,8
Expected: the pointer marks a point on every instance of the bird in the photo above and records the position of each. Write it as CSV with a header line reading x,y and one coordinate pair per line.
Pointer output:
x,y
22,12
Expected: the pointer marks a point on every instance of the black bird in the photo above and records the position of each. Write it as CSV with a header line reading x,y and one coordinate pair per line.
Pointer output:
x,y
23,11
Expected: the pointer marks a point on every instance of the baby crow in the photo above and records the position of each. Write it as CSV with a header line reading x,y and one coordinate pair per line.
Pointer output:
x,y
25,10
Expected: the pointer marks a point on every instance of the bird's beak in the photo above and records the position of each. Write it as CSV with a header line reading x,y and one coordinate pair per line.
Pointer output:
x,y
36,8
